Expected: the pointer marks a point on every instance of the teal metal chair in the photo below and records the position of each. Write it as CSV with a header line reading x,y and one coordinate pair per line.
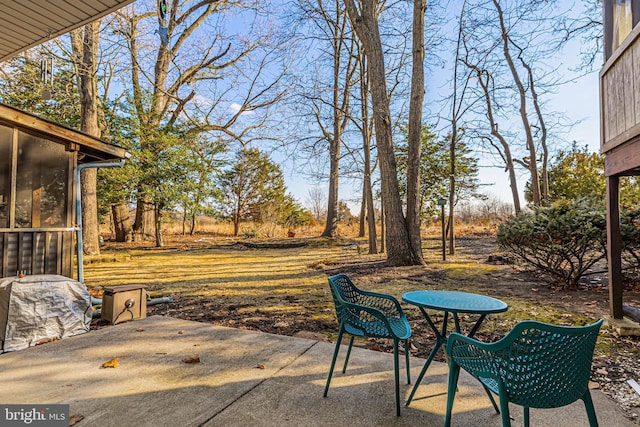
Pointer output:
x,y
536,365
368,314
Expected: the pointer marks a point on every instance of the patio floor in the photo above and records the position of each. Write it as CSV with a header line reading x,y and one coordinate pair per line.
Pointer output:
x,y
243,378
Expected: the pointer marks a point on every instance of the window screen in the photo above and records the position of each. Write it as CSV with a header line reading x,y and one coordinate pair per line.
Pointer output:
x,y
41,183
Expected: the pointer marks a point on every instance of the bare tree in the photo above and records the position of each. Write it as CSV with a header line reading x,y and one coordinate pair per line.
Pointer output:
x,y
317,200
84,43
364,19
532,162
507,48
367,210
172,81
457,102
327,95
415,128
485,81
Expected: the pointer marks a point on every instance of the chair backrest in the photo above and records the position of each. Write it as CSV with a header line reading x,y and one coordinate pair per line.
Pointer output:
x,y
360,321
342,287
547,366
343,290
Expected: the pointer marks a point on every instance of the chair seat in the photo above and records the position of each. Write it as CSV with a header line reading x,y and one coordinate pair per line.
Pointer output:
x,y
399,327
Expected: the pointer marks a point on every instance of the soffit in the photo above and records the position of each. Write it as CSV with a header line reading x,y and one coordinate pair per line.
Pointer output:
x,y
28,23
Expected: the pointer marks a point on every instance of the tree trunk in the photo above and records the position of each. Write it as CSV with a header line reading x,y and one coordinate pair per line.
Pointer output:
x,y
121,222
532,163
236,225
340,105
543,133
415,129
399,248
456,105
383,231
363,211
85,48
158,227
366,145
371,214
90,223
144,223
331,227
194,222
506,149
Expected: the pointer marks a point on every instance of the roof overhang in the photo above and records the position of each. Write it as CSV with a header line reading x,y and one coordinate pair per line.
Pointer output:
x,y
28,23
93,148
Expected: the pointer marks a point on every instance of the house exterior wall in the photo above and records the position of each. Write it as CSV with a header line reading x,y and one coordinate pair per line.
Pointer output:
x,y
37,204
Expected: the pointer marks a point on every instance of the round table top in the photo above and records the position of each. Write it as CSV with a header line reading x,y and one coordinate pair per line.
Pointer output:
x,y
455,302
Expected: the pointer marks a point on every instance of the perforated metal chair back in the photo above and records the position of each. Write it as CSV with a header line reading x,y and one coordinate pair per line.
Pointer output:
x,y
353,309
547,366
536,365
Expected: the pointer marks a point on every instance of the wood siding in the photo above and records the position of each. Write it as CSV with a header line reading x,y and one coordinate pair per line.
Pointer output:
x,y
620,94
37,252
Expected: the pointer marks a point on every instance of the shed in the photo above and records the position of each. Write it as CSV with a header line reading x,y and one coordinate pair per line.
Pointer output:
x,y
39,160
620,123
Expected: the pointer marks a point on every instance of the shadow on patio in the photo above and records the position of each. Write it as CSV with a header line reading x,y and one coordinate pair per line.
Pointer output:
x,y
243,378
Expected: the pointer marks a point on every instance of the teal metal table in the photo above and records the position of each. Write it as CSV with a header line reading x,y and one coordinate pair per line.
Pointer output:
x,y
454,303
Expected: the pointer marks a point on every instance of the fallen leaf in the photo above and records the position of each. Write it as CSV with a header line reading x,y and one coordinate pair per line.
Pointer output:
x,y
375,347
180,332
113,363
139,330
69,385
75,418
260,366
191,359
197,345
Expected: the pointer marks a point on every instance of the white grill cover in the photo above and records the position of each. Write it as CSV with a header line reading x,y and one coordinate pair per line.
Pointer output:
x,y
40,308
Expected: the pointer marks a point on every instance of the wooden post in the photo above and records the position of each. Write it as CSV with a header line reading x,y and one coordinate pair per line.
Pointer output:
x,y
614,247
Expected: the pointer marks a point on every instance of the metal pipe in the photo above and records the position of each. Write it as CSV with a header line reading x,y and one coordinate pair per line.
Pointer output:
x,y
152,301
79,169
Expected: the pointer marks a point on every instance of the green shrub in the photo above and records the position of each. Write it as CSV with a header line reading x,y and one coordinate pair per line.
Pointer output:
x,y
630,230
563,240
250,232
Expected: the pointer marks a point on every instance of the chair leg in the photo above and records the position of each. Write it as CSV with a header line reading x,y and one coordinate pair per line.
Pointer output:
x,y
346,359
504,408
454,373
396,375
526,416
333,361
493,401
591,412
406,356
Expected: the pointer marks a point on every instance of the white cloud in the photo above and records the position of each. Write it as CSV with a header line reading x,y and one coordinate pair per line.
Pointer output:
x,y
235,107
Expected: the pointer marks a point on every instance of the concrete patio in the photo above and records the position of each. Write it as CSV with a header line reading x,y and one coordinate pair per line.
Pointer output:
x,y
243,378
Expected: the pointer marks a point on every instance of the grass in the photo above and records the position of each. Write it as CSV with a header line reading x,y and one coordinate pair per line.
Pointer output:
x,y
291,282
281,281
